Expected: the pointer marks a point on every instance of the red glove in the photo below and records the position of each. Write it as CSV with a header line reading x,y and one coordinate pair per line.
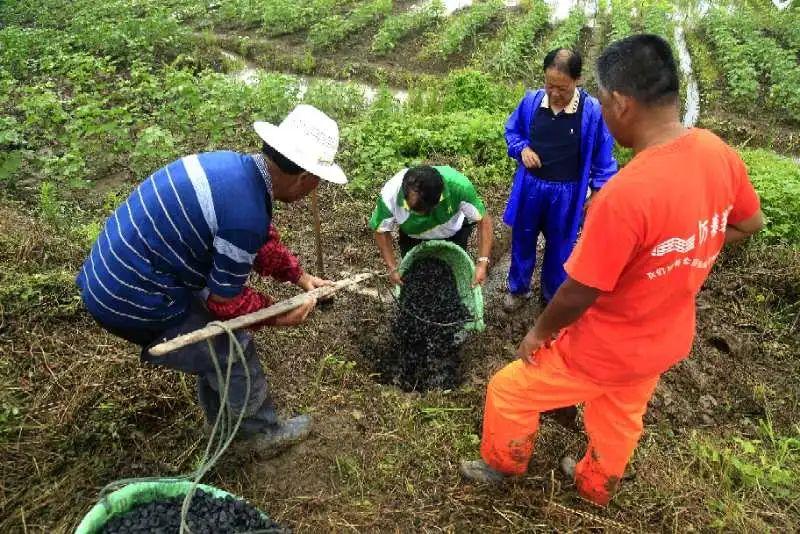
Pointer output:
x,y
246,302
275,260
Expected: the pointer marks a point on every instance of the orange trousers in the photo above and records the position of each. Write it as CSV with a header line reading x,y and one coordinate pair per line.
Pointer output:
x,y
519,392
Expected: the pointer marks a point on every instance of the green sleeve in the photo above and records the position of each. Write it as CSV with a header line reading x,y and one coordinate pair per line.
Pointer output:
x,y
470,196
382,217
464,191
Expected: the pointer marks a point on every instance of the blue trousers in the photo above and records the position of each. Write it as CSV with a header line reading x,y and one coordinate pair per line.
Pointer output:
x,y
196,359
544,207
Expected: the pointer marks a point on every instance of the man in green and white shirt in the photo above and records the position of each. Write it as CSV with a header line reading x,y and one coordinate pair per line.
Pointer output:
x,y
426,203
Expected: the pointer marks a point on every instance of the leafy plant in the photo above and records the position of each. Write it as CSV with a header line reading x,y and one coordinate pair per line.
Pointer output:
x,y
341,101
462,90
50,206
567,33
777,180
657,17
331,31
513,59
281,17
462,27
767,462
740,74
749,55
153,149
621,15
397,27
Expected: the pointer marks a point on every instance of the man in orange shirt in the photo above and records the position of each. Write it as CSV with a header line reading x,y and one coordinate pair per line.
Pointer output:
x,y
626,312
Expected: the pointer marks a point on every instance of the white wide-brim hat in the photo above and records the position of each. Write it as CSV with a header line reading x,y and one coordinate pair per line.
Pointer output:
x,y
307,137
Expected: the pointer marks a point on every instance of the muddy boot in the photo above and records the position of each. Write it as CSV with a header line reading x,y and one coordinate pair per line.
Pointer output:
x,y
274,438
479,471
512,302
568,465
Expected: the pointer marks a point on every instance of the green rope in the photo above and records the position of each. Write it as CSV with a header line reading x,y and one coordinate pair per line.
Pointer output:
x,y
223,440
222,433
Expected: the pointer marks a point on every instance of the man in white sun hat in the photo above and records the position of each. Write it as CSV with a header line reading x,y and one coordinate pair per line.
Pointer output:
x,y
178,253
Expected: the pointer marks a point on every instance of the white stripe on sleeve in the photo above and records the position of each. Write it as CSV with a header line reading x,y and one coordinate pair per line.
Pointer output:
x,y
232,251
202,189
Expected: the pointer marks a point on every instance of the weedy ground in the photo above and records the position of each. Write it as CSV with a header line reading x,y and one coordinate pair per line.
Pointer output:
x,y
79,410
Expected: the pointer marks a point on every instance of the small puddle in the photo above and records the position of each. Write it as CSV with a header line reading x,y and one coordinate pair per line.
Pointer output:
x,y
782,4
250,73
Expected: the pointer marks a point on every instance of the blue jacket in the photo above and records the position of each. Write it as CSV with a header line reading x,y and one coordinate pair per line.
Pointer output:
x,y
597,159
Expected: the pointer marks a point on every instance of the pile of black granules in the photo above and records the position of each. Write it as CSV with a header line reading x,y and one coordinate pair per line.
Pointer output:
x,y
425,346
207,515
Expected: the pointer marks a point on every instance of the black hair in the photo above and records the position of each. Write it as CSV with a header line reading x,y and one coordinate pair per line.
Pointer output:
x,y
564,60
642,67
284,164
427,182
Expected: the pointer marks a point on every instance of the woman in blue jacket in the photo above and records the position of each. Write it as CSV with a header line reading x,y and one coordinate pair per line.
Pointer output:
x,y
564,150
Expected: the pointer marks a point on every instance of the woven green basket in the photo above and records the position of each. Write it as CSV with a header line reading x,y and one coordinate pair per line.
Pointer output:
x,y
125,499
463,269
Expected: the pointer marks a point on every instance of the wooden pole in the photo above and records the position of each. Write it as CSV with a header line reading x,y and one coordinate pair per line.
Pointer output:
x,y
250,319
317,233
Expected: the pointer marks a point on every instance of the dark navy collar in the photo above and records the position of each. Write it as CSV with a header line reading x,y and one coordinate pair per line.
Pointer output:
x,y
262,167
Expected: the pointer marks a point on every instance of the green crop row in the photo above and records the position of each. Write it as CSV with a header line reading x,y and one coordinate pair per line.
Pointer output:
x,y
462,27
621,14
398,27
277,17
748,55
513,59
331,31
567,34
657,18
735,61
118,29
72,117
69,119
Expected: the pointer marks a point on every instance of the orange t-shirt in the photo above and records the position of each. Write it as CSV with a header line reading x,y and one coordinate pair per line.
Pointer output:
x,y
650,239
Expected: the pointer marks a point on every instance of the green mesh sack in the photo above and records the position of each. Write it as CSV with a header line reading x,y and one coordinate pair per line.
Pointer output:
x,y
463,269
125,499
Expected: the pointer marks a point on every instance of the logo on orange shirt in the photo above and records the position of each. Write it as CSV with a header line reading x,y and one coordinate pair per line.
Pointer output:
x,y
706,228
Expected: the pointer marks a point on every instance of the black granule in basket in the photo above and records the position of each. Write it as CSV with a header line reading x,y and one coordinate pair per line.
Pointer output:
x,y
207,515
423,354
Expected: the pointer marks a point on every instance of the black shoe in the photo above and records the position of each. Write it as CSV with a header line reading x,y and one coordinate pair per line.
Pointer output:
x,y
278,437
479,471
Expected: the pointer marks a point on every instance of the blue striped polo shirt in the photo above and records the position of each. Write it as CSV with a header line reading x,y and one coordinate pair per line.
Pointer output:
x,y
196,223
